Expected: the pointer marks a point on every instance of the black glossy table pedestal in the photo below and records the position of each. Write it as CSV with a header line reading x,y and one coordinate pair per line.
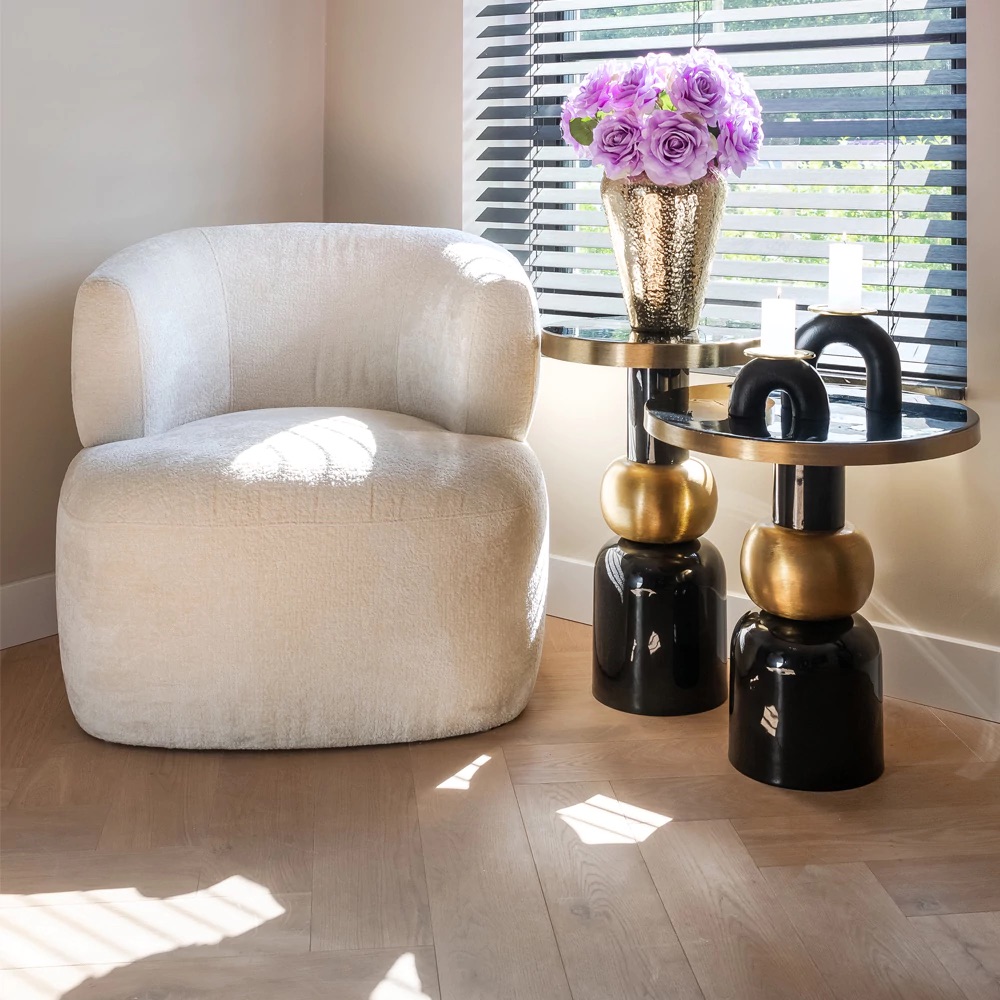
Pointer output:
x,y
805,707
659,587
660,627
805,685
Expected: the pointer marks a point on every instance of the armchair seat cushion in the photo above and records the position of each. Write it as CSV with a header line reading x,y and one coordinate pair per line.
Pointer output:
x,y
306,465
300,577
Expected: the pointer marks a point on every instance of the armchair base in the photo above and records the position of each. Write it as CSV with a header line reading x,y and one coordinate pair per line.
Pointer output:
x,y
307,577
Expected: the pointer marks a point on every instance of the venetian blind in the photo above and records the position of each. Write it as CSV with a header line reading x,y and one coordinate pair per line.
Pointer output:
x,y
864,115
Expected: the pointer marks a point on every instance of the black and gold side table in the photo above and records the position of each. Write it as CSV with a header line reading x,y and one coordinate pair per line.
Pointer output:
x,y
805,704
659,588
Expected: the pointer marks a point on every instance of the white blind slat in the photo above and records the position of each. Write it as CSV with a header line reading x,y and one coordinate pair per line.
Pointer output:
x,y
764,270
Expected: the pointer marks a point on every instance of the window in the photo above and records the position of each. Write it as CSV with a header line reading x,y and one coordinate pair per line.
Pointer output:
x,y
864,113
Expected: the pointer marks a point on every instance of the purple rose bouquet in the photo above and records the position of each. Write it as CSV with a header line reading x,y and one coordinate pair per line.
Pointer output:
x,y
671,119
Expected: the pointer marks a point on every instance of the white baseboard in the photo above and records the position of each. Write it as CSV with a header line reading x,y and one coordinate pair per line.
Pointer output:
x,y
27,610
571,590
934,670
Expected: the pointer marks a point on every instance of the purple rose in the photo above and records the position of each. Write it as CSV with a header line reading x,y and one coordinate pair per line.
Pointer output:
x,y
744,93
638,87
594,94
675,149
700,83
740,139
616,145
661,65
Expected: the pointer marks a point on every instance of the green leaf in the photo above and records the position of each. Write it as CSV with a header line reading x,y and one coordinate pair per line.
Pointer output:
x,y
664,102
582,129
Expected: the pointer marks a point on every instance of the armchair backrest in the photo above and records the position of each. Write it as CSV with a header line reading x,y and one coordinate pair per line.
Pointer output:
x,y
434,323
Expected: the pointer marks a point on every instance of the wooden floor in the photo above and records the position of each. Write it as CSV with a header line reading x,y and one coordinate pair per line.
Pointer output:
x,y
575,853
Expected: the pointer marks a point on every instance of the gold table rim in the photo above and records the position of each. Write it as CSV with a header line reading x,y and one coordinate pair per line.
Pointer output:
x,y
829,453
635,354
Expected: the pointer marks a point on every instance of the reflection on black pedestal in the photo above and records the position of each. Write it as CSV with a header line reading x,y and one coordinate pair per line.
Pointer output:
x,y
660,627
805,705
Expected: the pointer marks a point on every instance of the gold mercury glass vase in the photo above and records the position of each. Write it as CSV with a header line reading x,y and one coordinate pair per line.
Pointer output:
x,y
664,240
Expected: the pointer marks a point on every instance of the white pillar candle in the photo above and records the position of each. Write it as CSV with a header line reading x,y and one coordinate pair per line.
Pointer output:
x,y
777,326
846,263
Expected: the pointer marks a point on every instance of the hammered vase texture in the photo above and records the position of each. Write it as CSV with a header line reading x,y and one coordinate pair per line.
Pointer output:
x,y
664,240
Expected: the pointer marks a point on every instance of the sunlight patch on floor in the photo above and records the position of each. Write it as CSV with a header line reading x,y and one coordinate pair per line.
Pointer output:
x,y
462,779
401,982
83,931
49,984
603,820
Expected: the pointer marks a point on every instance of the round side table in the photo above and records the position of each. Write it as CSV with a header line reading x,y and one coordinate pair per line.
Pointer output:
x,y
659,587
805,705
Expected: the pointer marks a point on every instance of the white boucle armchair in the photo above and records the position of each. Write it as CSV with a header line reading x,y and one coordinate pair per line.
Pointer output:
x,y
304,514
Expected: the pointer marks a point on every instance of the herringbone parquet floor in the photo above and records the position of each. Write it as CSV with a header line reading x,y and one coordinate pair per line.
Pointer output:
x,y
574,853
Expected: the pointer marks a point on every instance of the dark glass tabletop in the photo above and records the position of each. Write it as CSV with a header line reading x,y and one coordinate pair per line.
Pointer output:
x,y
615,343
928,427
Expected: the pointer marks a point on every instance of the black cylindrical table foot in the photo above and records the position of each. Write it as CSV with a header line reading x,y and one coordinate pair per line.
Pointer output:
x,y
805,704
660,627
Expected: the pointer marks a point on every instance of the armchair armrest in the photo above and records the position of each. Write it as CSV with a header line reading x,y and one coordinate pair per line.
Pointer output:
x,y
150,347
469,360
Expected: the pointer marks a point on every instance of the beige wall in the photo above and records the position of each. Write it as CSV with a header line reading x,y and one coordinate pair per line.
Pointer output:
x,y
394,112
122,119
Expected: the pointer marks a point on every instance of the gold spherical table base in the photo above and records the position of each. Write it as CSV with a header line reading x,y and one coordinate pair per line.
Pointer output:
x,y
659,504
807,575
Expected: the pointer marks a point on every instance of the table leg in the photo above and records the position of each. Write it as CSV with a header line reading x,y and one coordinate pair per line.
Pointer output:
x,y
659,588
805,706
